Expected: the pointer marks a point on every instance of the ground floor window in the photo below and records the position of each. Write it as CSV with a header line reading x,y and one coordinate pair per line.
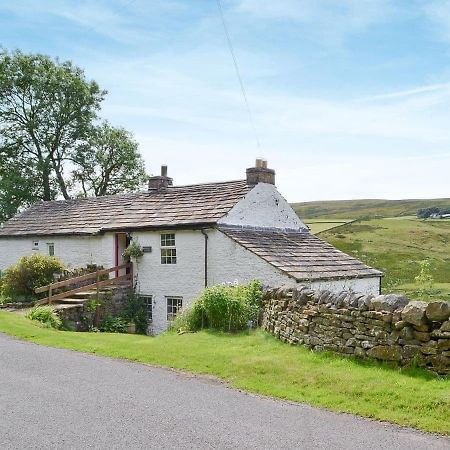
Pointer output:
x,y
174,304
51,249
148,302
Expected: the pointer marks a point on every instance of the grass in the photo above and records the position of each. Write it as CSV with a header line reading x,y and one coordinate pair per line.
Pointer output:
x,y
317,226
257,362
354,209
396,247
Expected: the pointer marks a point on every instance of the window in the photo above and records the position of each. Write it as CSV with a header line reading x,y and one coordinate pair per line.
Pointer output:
x,y
35,245
51,249
148,302
174,304
168,250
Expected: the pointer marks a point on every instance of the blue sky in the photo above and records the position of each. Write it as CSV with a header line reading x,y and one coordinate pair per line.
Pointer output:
x,y
350,98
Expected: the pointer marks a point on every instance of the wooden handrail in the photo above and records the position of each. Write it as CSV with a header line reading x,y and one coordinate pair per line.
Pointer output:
x,y
109,282
74,280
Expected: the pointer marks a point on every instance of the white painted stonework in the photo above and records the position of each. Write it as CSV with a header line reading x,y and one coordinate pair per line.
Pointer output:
x,y
74,251
263,206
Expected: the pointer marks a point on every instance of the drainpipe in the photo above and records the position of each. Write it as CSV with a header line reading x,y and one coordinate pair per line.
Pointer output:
x,y
206,256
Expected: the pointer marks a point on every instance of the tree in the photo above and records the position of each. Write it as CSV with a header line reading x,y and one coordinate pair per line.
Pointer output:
x,y
108,162
46,107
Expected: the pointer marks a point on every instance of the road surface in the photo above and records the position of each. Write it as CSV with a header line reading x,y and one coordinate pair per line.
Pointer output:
x,y
54,399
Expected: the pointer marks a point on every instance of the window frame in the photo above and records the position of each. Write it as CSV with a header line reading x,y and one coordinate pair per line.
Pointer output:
x,y
174,309
51,245
168,249
148,306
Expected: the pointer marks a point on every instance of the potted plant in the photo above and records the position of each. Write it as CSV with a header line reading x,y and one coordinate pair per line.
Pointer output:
x,y
133,251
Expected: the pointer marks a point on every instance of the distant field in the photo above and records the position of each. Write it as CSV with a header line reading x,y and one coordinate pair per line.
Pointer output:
x,y
353,209
396,247
319,225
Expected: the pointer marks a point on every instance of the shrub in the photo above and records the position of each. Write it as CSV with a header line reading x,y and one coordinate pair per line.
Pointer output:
x,y
114,325
136,312
45,315
223,307
21,279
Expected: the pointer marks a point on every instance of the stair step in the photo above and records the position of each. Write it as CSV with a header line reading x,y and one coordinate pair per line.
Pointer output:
x,y
84,294
72,300
68,306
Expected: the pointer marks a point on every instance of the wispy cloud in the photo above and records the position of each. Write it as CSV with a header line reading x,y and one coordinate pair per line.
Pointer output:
x,y
327,20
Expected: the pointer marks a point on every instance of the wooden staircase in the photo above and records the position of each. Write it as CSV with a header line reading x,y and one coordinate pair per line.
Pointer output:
x,y
77,297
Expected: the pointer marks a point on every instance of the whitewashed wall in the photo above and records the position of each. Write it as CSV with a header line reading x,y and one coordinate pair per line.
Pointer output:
x,y
74,251
183,279
230,262
263,206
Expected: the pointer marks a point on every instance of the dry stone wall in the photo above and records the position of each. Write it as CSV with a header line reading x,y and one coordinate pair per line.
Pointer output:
x,y
384,327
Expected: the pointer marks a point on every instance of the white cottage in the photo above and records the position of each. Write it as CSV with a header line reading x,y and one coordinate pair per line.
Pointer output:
x,y
194,236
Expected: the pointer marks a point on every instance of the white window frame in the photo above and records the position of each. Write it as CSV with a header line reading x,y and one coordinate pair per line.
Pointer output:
x,y
168,249
173,310
148,307
35,245
51,245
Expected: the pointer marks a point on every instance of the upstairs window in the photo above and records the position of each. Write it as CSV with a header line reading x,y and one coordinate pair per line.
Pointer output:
x,y
51,249
35,245
168,249
174,304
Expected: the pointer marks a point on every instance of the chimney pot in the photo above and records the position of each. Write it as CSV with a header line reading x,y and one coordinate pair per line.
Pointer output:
x,y
260,173
160,183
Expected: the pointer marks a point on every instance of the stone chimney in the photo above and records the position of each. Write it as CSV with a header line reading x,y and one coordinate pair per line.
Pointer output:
x,y
161,182
260,173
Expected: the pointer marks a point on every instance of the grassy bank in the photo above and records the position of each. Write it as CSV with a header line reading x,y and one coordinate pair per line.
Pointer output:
x,y
396,246
259,363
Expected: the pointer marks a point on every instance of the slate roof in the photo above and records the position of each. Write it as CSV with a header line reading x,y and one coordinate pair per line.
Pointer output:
x,y
200,204
300,254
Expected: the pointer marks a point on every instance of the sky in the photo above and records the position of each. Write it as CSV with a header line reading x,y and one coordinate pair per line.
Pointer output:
x,y
349,98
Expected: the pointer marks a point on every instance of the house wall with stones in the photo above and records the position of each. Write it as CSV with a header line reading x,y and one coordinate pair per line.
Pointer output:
x,y
384,327
263,206
74,251
230,262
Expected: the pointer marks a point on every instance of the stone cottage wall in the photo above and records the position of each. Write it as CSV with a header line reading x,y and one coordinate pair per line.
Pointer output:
x,y
384,327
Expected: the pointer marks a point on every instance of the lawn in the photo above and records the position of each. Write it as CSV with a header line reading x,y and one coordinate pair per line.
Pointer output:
x,y
259,363
396,246
317,226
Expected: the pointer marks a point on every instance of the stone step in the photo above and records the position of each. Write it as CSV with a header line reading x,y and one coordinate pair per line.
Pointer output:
x,y
72,301
68,306
84,294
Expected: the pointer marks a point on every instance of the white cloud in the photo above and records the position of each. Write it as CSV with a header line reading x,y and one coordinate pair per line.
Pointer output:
x,y
326,20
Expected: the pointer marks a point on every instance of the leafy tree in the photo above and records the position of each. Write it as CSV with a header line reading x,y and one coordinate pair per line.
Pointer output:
x,y
108,162
46,107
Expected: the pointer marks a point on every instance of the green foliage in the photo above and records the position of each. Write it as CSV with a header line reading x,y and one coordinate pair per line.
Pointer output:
x,y
136,312
114,325
46,107
45,315
223,307
21,279
49,145
425,279
108,162
134,250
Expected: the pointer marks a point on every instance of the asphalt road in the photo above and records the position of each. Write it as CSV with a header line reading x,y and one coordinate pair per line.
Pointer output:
x,y
52,398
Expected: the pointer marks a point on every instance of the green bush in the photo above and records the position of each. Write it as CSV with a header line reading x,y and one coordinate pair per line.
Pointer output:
x,y
21,279
45,315
114,325
136,312
223,307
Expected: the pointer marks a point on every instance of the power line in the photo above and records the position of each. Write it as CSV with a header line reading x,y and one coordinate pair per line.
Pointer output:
x,y
238,73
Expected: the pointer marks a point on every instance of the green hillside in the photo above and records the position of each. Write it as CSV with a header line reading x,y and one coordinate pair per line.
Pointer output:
x,y
353,209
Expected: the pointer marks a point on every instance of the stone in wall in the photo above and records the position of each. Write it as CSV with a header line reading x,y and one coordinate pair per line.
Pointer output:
x,y
385,327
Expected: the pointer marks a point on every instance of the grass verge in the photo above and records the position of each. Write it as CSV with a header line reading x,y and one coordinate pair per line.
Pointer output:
x,y
257,362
